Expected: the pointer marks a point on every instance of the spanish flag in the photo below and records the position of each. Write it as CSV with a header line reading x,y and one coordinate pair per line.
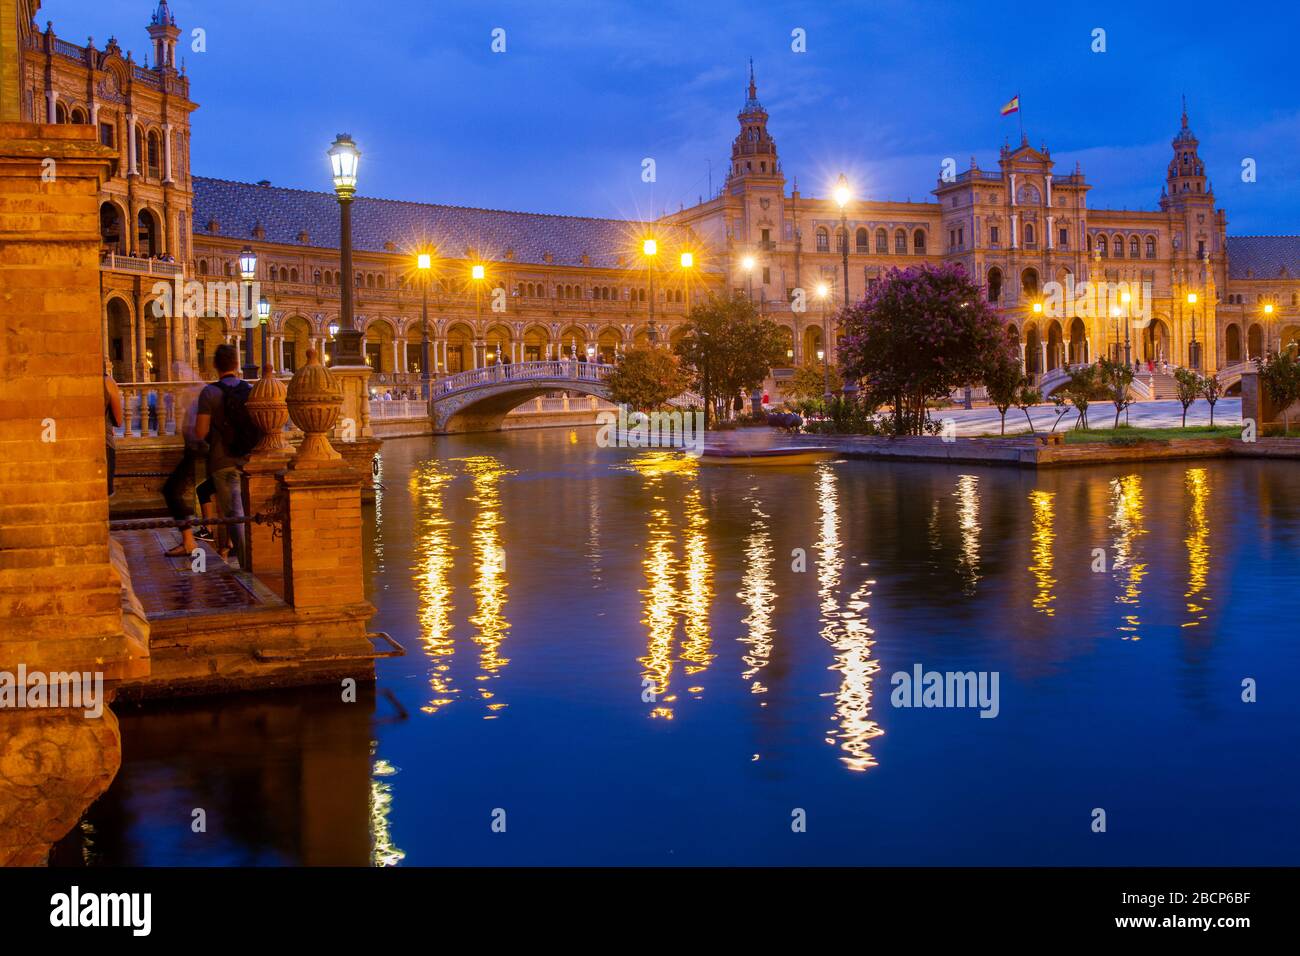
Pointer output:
x,y
1013,106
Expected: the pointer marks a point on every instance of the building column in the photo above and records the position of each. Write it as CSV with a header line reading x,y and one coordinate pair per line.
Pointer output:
x,y
51,99
167,152
132,159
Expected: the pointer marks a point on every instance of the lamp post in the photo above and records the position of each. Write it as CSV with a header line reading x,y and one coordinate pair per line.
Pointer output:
x,y
650,249
477,273
344,159
247,272
1268,320
688,263
823,353
747,263
264,320
423,263
1194,349
842,197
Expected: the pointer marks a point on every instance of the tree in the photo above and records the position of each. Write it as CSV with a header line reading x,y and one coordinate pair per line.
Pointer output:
x,y
1189,386
1081,389
809,381
1279,374
1212,389
1026,397
646,379
916,336
1116,377
727,349
1002,381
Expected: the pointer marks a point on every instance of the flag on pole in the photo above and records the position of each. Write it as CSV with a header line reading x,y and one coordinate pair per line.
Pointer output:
x,y
1013,106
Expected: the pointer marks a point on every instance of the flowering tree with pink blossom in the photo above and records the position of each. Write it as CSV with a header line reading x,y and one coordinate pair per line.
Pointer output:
x,y
917,335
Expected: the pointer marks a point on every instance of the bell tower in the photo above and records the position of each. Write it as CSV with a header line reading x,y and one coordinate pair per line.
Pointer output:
x,y
1186,175
753,151
164,33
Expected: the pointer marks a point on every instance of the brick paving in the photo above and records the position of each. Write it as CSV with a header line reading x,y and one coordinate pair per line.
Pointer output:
x,y
167,587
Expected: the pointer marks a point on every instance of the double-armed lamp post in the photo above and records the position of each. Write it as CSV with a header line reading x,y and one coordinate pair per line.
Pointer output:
x,y
344,160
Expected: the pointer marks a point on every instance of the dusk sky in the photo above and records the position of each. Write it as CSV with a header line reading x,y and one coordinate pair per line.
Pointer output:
x,y
561,121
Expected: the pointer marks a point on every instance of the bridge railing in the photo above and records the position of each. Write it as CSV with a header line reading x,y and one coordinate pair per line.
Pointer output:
x,y
521,372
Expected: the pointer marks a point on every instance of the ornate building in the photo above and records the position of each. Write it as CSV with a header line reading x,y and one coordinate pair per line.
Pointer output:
x,y
559,285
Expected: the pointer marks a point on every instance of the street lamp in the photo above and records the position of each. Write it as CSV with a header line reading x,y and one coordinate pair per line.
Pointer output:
x,y
688,263
344,160
842,197
424,264
1114,318
747,263
264,319
333,331
650,249
823,293
1194,349
477,272
248,272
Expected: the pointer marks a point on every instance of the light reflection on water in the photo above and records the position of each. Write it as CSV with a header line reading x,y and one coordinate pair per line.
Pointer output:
x,y
678,678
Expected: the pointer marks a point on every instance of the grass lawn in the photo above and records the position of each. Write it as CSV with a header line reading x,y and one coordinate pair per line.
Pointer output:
x,y
1131,434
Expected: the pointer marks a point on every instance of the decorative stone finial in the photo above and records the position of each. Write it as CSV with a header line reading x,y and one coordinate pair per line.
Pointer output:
x,y
269,410
315,400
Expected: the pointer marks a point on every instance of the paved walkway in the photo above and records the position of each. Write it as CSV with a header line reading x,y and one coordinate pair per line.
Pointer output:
x,y
1166,414
168,587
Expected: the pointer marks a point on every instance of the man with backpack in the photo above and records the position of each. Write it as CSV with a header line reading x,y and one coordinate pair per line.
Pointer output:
x,y
224,423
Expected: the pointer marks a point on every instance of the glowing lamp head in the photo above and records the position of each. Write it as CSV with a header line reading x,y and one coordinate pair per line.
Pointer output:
x,y
344,160
688,260
334,329
1125,297
263,310
821,354
789,353
247,264
1114,312
477,272
842,194
1268,308
650,247
747,263
1191,298
823,290
1038,308
424,262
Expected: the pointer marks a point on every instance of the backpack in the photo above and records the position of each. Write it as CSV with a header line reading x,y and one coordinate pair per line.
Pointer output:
x,y
238,433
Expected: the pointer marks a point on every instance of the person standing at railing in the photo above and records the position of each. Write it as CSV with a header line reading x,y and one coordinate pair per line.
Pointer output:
x,y
113,418
224,423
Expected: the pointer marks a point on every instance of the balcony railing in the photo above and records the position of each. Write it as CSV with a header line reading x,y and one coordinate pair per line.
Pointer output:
x,y
155,267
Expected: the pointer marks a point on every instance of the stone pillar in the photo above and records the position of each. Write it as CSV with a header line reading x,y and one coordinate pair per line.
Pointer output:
x,y
356,441
322,540
269,410
61,598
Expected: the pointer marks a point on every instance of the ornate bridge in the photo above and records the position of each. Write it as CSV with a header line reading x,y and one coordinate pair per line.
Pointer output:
x,y
478,400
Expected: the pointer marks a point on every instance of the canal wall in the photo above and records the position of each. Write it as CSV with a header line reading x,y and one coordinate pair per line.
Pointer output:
x,y
1031,453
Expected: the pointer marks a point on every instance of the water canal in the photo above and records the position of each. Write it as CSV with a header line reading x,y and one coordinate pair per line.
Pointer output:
x,y
627,659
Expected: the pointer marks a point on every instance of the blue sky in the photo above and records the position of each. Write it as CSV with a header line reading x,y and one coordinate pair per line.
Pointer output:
x,y
561,121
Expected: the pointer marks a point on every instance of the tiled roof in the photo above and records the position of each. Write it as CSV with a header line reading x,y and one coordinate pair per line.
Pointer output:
x,y
1264,257
285,214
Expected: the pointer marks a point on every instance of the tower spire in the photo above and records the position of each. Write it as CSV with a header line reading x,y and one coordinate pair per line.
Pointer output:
x,y
753,89
1184,111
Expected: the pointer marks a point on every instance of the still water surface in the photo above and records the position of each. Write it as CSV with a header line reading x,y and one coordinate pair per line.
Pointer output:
x,y
633,660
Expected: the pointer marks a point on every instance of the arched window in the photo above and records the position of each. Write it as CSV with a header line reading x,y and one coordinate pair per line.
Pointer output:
x,y
1151,247
1029,233
1029,282
1133,247
203,267
293,275
1119,247
900,242
823,239
379,281
154,155
863,240
882,242
841,241
1103,246
60,113
918,242
995,284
